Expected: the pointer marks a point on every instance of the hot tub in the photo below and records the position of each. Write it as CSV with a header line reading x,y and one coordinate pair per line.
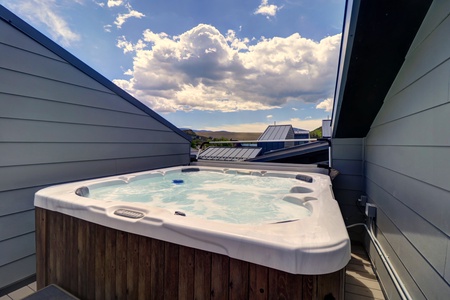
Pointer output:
x,y
265,227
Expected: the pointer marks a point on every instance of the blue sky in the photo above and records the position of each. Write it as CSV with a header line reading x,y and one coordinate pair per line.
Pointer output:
x,y
206,64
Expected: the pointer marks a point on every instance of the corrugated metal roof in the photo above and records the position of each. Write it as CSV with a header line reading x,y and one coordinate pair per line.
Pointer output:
x,y
296,151
299,131
228,153
275,132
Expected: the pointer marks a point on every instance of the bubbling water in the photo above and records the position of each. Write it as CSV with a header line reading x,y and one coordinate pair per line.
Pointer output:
x,y
230,198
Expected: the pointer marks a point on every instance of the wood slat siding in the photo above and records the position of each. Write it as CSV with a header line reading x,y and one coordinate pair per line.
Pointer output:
x,y
406,152
102,263
348,186
58,124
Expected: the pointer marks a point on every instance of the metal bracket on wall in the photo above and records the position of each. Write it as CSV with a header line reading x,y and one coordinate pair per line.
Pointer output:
x,y
362,201
371,210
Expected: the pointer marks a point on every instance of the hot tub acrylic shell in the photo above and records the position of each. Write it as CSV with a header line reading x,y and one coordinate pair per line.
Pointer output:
x,y
318,244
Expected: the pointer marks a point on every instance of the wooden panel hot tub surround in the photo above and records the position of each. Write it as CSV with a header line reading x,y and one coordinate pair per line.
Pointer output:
x,y
95,262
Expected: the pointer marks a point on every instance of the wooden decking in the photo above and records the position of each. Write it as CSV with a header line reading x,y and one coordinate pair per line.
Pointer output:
x,y
360,281
20,293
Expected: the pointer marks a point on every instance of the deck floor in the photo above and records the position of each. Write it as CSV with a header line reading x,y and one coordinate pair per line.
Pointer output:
x,y
20,293
360,281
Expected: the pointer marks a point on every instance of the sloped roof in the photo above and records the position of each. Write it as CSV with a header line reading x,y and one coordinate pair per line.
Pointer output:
x,y
40,38
375,40
300,131
295,153
275,132
229,154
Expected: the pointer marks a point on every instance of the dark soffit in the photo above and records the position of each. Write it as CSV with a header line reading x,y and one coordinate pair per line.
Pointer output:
x,y
384,31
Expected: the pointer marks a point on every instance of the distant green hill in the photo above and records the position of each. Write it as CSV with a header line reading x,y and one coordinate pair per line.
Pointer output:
x,y
316,133
200,136
189,132
229,135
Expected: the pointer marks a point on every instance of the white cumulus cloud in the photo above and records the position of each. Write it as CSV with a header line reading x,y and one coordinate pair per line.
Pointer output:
x,y
199,68
266,9
326,104
112,3
122,18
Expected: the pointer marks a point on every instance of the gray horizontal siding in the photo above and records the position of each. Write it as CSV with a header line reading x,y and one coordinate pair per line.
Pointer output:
x,y
418,275
348,186
347,159
19,177
14,130
62,111
47,89
59,124
406,153
417,98
14,201
352,150
17,154
16,248
440,9
10,37
427,164
16,224
426,238
388,285
426,200
21,268
430,53
29,63
407,131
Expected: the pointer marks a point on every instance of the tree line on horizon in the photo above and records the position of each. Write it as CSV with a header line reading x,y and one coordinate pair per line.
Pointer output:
x,y
197,140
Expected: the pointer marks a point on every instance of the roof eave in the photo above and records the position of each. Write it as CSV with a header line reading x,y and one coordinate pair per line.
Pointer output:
x,y
376,38
348,33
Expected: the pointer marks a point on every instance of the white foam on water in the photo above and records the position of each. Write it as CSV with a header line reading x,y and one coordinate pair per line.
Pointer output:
x,y
231,198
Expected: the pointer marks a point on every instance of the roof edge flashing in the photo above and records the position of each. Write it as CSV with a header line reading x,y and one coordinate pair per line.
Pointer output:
x,y
348,34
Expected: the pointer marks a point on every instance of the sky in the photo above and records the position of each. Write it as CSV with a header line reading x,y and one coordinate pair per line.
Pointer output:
x,y
234,65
